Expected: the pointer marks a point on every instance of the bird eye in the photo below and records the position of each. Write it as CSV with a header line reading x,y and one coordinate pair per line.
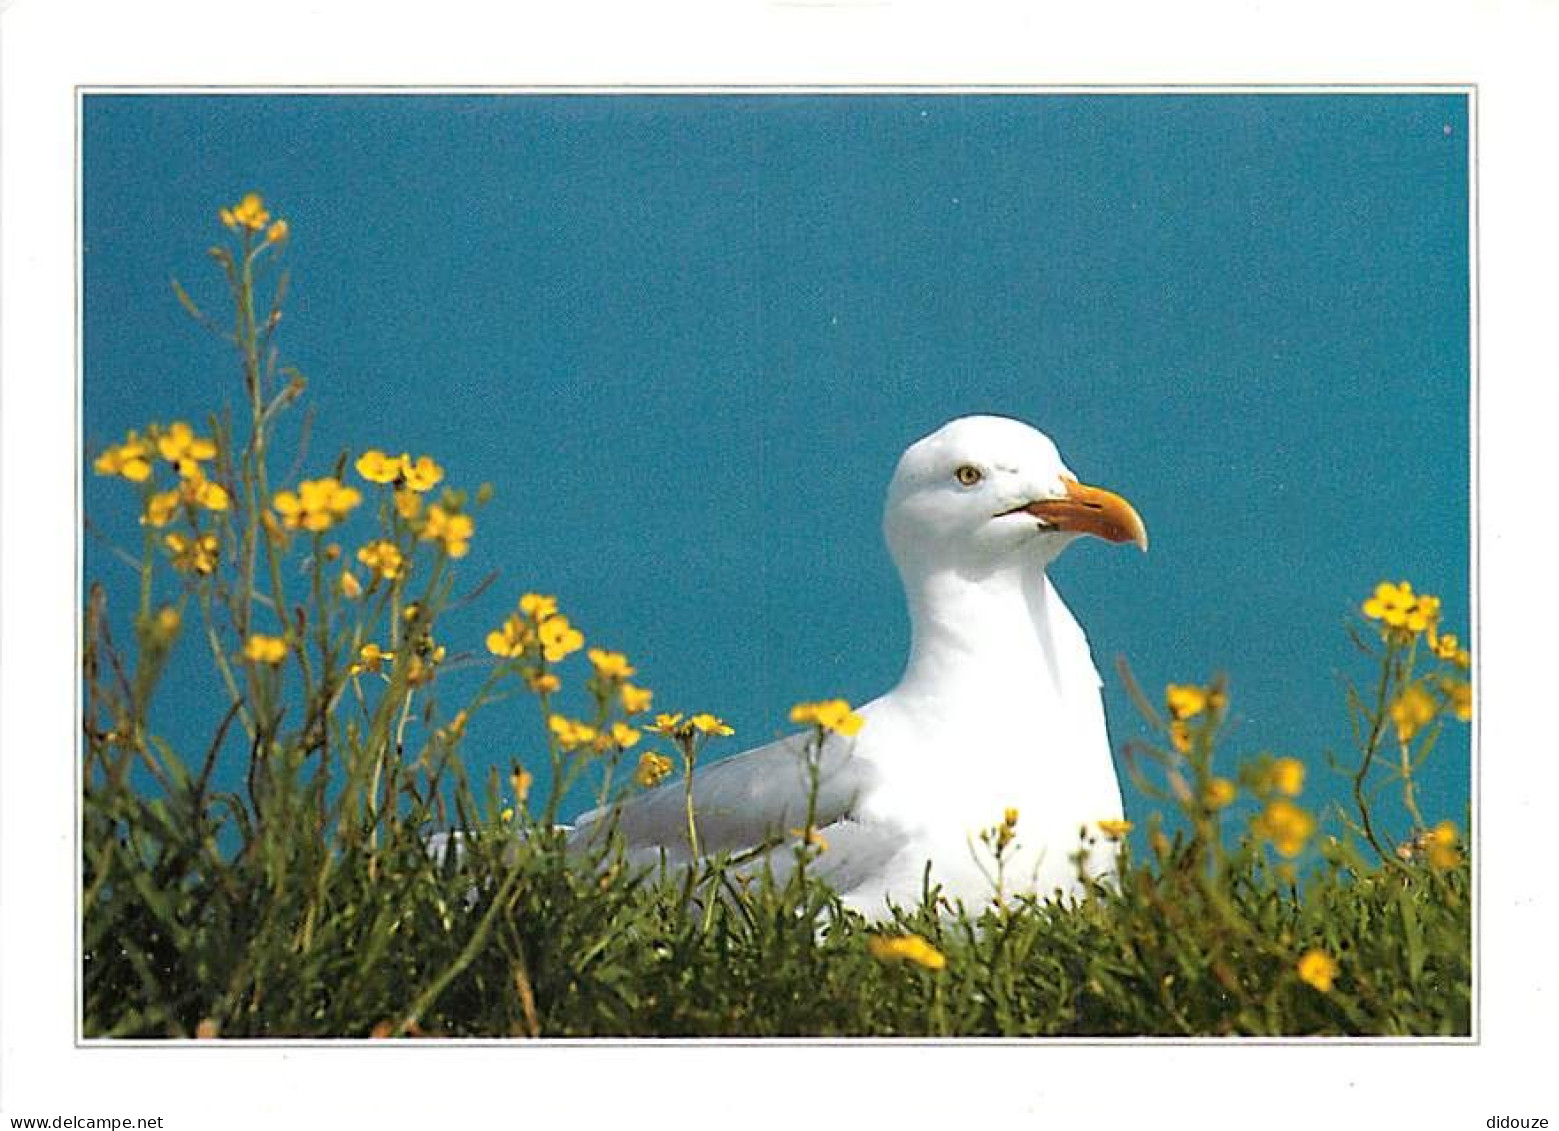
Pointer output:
x,y
968,475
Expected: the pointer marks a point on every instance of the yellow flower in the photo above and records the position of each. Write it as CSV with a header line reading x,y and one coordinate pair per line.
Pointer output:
x,y
624,735
636,699
1115,830
376,467
383,557
193,554
277,232
666,724
610,665
424,662
1442,847
1390,603
1318,969
370,658
506,815
653,768
351,588
911,948
1184,701
1424,614
511,639
317,504
1397,606
454,530
542,683
128,460
161,508
196,489
1448,648
1219,793
829,714
1414,708
559,638
420,474
538,606
168,620
520,781
179,442
709,724
1286,825
249,213
262,649
1459,699
1287,775
408,504
1009,817
814,838
571,733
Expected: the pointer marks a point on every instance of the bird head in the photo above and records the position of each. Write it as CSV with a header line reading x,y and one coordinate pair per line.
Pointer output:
x,y
982,492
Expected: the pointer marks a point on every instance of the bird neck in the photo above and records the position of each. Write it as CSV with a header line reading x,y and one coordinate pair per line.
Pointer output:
x,y
1000,638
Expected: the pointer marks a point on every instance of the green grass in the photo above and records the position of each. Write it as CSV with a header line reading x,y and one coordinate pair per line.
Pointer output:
x,y
307,904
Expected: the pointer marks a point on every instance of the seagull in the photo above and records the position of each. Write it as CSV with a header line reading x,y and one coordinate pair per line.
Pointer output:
x,y
997,720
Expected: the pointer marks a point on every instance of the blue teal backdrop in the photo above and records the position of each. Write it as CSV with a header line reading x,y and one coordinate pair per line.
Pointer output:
x,y
686,337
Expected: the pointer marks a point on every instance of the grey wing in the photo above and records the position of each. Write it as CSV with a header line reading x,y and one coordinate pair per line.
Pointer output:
x,y
743,801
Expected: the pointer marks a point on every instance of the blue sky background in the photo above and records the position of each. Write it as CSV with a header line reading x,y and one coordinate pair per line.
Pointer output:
x,y
686,338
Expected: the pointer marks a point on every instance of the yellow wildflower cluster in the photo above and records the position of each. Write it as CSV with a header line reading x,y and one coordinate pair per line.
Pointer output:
x,y
250,216
1449,649
812,839
249,213
180,447
1184,703
420,475
193,553
1414,709
653,768
263,649
425,658
1287,776
538,626
1268,777
1318,969
635,700
383,558
999,836
1458,698
129,460
829,715
411,479
570,733
678,727
1398,607
1285,825
370,658
906,948
610,665
317,504
451,528
1440,846
620,736
1219,793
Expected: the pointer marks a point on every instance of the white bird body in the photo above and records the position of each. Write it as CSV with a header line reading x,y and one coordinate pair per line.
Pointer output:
x,y
999,706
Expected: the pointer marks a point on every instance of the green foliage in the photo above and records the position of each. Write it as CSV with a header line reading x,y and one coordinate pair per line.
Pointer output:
x,y
312,903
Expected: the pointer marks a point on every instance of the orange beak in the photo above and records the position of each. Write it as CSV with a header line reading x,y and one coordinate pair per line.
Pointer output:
x,y
1092,510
